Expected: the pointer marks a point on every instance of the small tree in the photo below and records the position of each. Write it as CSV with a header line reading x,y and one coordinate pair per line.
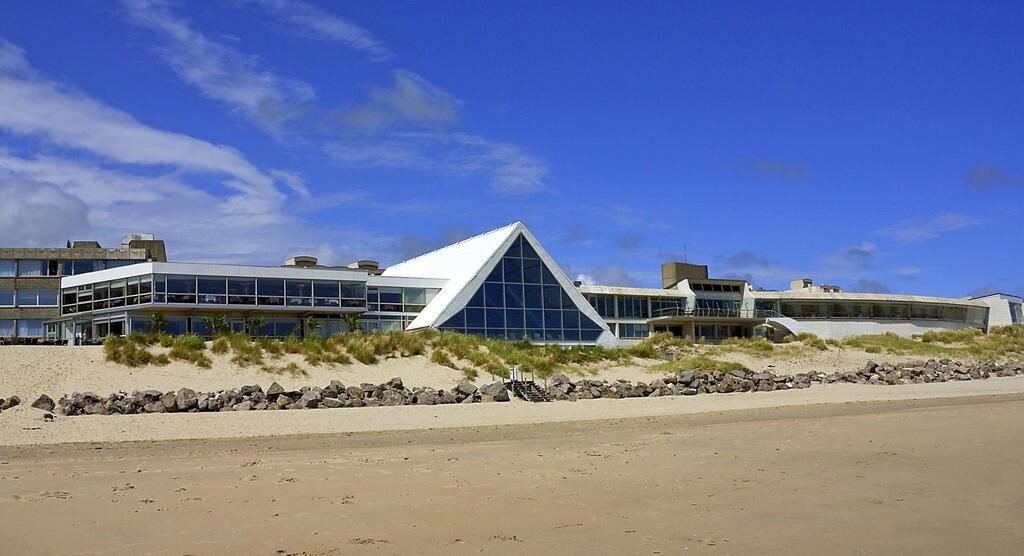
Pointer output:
x,y
254,326
218,325
157,324
311,326
352,321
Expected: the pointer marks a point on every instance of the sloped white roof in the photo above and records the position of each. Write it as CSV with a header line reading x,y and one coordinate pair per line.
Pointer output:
x,y
466,265
458,263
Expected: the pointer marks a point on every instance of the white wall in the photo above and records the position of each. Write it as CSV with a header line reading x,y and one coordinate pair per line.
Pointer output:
x,y
838,329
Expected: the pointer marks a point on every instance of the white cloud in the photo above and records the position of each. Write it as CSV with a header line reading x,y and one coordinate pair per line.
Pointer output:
x,y
30,105
221,72
409,101
507,168
34,213
922,229
315,22
855,257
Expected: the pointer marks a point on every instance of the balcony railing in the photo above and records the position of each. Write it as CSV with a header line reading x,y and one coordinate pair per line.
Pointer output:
x,y
716,313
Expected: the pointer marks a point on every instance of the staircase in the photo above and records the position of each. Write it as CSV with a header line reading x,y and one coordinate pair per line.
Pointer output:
x,y
529,391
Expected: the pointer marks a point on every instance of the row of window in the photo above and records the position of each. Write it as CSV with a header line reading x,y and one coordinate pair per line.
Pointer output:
x,y
630,331
397,299
273,327
50,267
699,287
496,295
635,307
874,311
21,328
28,297
213,290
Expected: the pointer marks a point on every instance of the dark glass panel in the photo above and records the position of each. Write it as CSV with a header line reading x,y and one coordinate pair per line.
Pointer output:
x,y
458,320
496,275
549,278
496,333
528,252
515,334
570,318
536,335
515,250
242,286
552,318
513,296
325,288
552,297
353,290
515,318
533,297
270,287
534,318
478,299
571,335
181,284
474,318
494,295
531,271
587,324
211,285
513,270
589,335
495,318
476,331
298,288
552,335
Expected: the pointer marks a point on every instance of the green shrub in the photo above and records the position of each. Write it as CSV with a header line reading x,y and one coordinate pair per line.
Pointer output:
x,y
166,340
132,354
220,346
190,348
701,363
440,357
470,373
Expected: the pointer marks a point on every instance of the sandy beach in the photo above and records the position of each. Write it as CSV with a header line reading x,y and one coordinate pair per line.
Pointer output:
x,y
935,476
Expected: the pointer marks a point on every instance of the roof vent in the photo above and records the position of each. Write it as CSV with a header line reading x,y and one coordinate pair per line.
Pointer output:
x,y
371,267
85,245
301,261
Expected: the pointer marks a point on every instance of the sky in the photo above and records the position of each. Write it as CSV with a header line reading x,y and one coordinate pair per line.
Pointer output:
x,y
876,146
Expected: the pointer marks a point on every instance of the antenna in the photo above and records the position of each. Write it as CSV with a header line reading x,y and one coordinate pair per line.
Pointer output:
x,y
685,259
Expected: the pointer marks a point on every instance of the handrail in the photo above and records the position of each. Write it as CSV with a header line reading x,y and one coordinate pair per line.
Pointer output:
x,y
710,312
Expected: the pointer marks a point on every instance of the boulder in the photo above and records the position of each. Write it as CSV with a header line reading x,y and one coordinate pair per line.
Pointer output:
x,y
331,403
395,383
559,379
170,401
44,402
391,398
186,399
426,397
494,389
95,408
243,406
154,407
466,388
275,389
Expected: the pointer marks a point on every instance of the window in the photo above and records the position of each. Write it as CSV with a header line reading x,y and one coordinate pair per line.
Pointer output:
x,y
8,267
667,306
180,289
633,331
6,328
325,293
390,299
631,307
212,290
521,298
27,297
33,267
30,328
604,304
299,293
6,297
270,291
241,291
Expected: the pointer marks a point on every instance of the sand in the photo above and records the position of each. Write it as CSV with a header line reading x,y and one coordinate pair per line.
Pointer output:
x,y
938,476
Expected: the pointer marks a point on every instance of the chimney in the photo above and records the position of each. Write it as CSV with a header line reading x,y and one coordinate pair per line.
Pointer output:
x,y
301,261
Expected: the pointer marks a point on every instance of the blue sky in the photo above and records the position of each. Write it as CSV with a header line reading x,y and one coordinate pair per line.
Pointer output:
x,y
872,145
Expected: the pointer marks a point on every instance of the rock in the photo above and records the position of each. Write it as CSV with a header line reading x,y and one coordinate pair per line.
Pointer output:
x,y
275,389
391,398
427,397
686,377
96,408
186,399
154,407
466,388
10,402
250,390
690,392
243,406
559,379
170,401
494,389
331,403
395,383
469,399
310,399
44,402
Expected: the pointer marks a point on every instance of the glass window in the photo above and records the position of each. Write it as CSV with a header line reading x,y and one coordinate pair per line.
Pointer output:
x,y
552,318
415,296
390,299
298,288
30,328
531,271
351,290
495,318
552,297
32,267
528,252
513,270
325,288
212,285
496,275
515,318
117,288
6,297
48,297
533,296
534,319
241,291
133,287
457,321
270,287
181,284
477,300
474,318
571,318
6,328
8,267
494,295
513,295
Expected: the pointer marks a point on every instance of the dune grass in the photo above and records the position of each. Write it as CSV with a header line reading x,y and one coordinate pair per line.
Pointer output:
x,y
699,363
131,352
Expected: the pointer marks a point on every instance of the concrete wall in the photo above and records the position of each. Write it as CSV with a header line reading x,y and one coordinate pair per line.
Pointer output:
x,y
837,329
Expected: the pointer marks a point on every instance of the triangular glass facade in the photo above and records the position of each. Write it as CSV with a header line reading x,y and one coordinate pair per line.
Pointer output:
x,y
521,299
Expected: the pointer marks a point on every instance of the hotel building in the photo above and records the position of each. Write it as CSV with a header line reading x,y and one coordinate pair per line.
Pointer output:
x,y
500,284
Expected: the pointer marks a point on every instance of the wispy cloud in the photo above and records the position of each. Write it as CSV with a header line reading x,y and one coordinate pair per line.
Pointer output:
x,y
608,275
907,272
35,213
867,285
508,168
922,229
312,21
222,72
767,168
410,101
987,175
31,105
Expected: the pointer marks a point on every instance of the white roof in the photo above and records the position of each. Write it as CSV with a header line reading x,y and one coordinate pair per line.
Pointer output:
x,y
466,265
204,269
